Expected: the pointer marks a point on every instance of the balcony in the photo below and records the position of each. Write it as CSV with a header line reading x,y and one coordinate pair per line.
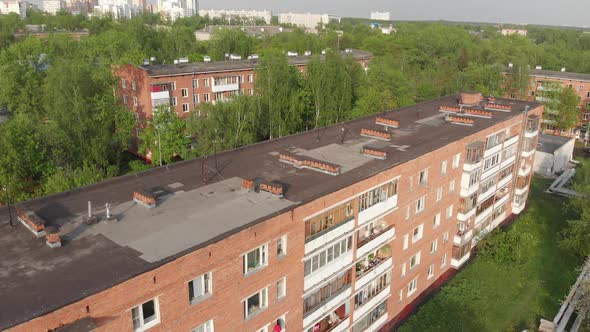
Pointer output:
x,y
329,305
374,239
508,161
524,170
510,141
462,237
528,151
317,240
532,126
336,321
225,84
501,199
372,260
328,270
474,156
373,272
378,210
376,297
493,150
463,216
483,215
456,263
505,180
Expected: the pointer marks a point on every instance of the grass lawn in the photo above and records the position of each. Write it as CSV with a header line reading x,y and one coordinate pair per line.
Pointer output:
x,y
520,276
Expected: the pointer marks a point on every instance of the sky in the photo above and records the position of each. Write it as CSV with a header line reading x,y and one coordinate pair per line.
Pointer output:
x,y
547,12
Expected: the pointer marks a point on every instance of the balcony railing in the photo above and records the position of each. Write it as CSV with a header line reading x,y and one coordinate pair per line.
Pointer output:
x,y
368,265
374,233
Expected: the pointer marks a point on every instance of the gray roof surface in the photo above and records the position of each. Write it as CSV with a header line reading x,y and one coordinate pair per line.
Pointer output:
x,y
230,65
561,75
550,143
192,199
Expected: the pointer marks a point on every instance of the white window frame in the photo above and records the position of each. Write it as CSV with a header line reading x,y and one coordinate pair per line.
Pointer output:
x,y
282,288
282,246
206,97
420,204
449,212
206,282
415,260
262,256
586,116
241,79
142,324
408,212
423,177
124,83
186,108
184,92
443,167
135,102
431,271
125,99
196,99
208,326
134,86
445,237
173,101
456,159
206,82
263,300
436,221
403,269
250,78
406,241
452,186
195,83
434,246
173,86
443,260
417,237
412,286
439,193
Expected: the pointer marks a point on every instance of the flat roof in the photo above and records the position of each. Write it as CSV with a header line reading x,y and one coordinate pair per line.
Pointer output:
x,y
231,65
550,143
38,279
564,75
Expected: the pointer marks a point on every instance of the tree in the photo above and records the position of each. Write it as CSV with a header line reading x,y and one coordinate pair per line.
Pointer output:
x,y
561,104
575,237
166,132
519,79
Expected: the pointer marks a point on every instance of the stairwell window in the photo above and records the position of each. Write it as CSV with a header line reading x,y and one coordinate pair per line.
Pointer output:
x,y
146,315
200,288
431,271
456,159
184,92
436,221
256,259
423,179
434,246
415,261
412,286
443,260
282,246
452,186
205,327
443,167
281,288
439,193
420,204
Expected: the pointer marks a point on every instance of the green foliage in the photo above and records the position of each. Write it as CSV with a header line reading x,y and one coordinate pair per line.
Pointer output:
x,y
67,179
165,134
517,276
576,236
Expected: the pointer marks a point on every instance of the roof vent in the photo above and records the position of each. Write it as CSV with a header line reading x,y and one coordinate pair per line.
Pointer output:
x,y
290,53
387,122
153,58
90,218
52,239
253,57
563,69
380,135
498,107
175,61
183,60
258,184
460,120
207,58
32,222
235,57
144,198
538,67
374,153
477,113
313,164
307,53
146,62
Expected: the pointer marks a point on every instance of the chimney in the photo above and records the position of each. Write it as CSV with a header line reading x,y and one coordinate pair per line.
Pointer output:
x,y
53,239
90,219
470,98
144,198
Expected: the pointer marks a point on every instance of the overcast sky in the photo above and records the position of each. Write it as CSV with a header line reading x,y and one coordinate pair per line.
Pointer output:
x,y
548,12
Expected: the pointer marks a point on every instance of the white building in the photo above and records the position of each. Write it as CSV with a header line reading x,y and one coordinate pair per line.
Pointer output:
x,y
508,32
553,154
118,8
53,6
175,9
17,7
381,16
253,15
307,20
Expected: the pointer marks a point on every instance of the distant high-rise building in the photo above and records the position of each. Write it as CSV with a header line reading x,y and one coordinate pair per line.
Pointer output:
x,y
381,16
307,20
17,7
53,6
119,8
253,15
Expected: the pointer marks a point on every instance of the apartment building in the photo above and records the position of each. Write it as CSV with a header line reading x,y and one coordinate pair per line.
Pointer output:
x,y
243,15
342,228
16,7
184,86
307,20
545,82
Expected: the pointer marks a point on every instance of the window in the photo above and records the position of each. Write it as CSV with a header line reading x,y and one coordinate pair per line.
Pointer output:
x,y
195,83
206,97
580,87
135,103
449,212
241,79
325,221
415,260
412,286
206,82
513,96
452,186
146,315
200,287
417,233
403,269
250,78
124,83
377,195
586,116
445,237
495,140
408,212
474,178
488,184
443,260
256,303
185,108
401,296
196,99
134,86
588,94
423,177
420,204
456,159
172,86
369,291
327,255
281,288
184,92
532,92
431,271
282,246
173,101
255,259
443,167
434,246
436,221
439,193
491,162
205,327
318,297
125,100
406,238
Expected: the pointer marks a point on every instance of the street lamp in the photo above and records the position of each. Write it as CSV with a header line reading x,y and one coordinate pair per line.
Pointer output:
x,y
5,189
